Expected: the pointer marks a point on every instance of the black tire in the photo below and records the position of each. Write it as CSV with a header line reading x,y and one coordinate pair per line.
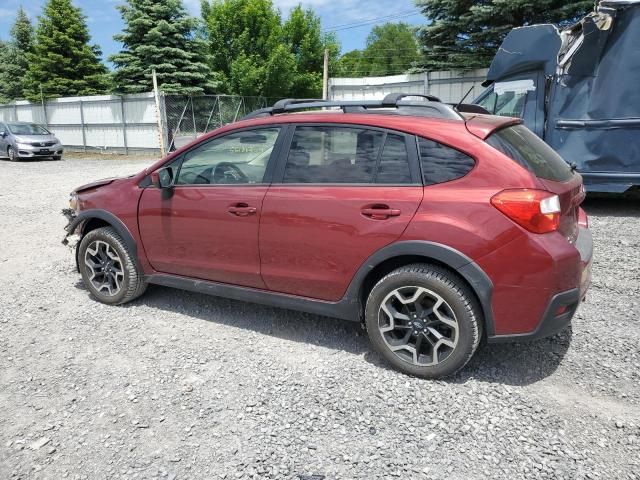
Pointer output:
x,y
11,153
460,303
57,158
131,280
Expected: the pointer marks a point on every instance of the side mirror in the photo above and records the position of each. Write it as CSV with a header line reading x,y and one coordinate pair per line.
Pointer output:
x,y
163,178
3,134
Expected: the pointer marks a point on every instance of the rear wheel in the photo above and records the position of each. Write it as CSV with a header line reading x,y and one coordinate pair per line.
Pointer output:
x,y
424,320
108,268
11,153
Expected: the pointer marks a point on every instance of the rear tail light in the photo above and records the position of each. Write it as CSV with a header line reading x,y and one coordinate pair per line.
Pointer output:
x,y
536,210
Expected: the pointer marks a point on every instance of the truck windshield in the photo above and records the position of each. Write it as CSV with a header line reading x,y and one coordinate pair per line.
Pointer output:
x,y
527,149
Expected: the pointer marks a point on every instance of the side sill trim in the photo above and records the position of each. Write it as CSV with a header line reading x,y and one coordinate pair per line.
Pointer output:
x,y
344,309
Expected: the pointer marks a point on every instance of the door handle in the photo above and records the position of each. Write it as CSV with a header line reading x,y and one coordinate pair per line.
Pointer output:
x,y
380,212
242,210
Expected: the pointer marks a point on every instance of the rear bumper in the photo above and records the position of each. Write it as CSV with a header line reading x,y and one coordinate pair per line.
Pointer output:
x,y
551,322
562,306
610,182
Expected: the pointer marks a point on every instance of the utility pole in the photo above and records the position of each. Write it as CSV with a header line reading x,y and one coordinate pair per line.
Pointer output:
x,y
325,76
156,94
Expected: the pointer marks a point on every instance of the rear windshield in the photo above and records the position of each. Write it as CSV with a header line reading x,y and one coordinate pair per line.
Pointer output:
x,y
27,129
528,150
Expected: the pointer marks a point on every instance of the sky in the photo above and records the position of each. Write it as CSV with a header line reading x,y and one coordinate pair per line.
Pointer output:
x,y
351,19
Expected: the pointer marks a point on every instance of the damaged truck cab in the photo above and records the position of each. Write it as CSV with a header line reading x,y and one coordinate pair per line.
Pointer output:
x,y
577,89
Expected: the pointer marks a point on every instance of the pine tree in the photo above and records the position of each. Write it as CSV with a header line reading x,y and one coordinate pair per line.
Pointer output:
x,y
466,34
160,35
62,63
13,58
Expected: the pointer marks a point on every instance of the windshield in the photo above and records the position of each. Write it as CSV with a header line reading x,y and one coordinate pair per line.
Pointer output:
x,y
524,147
27,129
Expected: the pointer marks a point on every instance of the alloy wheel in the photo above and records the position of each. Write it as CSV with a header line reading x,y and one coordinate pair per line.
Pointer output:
x,y
418,326
105,269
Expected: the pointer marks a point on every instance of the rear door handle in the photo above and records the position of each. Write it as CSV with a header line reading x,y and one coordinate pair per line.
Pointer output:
x,y
380,212
242,210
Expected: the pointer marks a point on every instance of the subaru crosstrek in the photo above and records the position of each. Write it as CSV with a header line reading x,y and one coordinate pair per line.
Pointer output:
x,y
434,228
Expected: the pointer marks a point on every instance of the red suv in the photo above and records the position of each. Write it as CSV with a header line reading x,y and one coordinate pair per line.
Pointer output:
x,y
432,227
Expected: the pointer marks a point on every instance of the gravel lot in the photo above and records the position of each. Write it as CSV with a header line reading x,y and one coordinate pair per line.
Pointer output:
x,y
183,386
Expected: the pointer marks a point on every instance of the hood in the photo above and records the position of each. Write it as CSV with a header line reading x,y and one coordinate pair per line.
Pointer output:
x,y
96,184
35,138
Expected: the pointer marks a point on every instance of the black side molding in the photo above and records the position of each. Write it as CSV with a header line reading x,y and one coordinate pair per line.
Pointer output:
x,y
349,307
344,309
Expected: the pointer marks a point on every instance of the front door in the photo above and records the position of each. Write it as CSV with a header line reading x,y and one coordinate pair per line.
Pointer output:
x,y
341,194
207,225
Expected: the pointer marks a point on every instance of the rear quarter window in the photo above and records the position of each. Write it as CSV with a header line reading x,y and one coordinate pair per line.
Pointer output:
x,y
528,150
441,163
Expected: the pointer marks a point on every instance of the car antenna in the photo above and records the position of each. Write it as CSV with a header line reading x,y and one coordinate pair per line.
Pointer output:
x,y
464,98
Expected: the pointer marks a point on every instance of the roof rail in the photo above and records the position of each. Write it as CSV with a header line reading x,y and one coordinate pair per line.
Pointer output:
x,y
430,107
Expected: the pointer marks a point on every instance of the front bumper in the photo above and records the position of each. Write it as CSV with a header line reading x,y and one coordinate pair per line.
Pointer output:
x,y
30,151
73,235
562,306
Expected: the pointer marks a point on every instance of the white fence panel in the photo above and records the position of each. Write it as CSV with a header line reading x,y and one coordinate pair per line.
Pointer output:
x,y
449,86
98,122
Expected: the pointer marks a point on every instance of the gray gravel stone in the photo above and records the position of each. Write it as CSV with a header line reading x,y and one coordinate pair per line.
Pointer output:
x,y
180,385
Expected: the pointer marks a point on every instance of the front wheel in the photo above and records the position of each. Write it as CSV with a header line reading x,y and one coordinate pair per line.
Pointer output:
x,y
424,320
108,269
11,153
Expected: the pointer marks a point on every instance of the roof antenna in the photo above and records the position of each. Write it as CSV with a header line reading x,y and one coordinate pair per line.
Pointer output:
x,y
464,98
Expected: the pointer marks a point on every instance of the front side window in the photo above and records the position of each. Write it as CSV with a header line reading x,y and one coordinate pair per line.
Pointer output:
x,y
508,104
441,163
347,155
237,158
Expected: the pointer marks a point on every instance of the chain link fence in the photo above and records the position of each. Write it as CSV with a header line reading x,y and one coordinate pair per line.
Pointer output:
x,y
187,118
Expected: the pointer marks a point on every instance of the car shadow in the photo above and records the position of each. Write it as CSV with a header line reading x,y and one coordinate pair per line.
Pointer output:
x,y
509,364
613,205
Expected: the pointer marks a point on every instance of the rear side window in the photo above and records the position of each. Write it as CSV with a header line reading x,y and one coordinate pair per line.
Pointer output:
x,y
346,155
528,150
441,163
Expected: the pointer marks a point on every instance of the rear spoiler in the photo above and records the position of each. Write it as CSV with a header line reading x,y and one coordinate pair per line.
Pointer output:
x,y
482,126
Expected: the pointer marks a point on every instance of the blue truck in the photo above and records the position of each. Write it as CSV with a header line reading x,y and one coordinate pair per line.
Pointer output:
x,y
579,90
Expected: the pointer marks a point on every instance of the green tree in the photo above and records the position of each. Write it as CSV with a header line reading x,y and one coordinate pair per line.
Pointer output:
x,y
257,54
243,35
301,33
160,35
62,63
13,58
391,49
466,34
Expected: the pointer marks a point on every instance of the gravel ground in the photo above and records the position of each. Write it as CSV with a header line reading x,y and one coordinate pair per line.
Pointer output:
x,y
183,386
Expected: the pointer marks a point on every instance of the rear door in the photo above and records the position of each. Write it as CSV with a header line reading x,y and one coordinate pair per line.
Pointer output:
x,y
340,194
207,226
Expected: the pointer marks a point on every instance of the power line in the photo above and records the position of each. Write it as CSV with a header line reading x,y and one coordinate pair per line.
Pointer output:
x,y
363,23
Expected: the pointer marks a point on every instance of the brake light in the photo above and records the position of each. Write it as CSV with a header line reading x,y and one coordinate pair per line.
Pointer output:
x,y
536,210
